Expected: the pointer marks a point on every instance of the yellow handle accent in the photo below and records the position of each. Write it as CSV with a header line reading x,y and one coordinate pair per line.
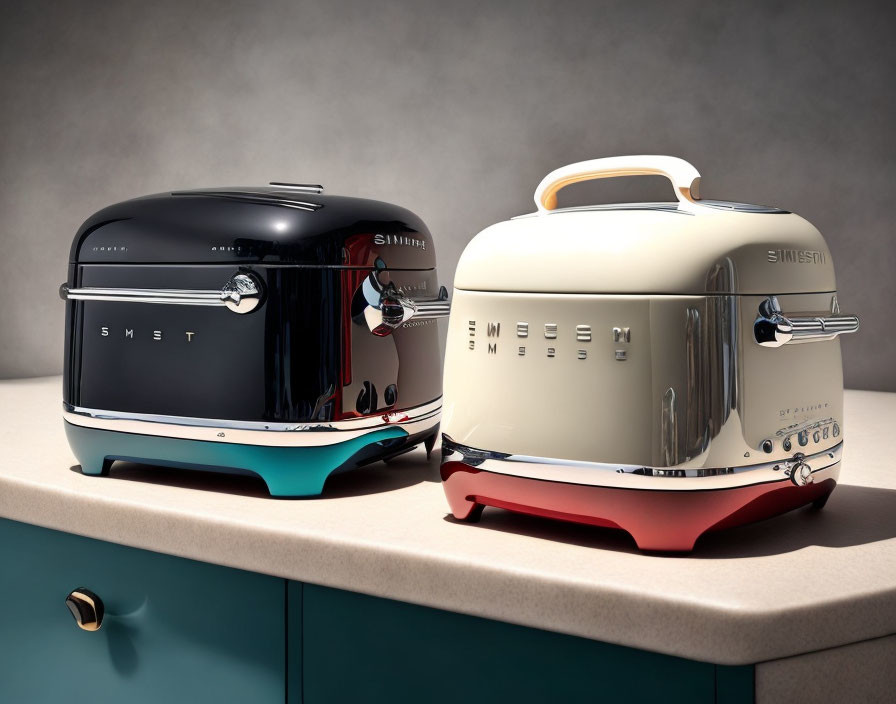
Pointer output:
x,y
684,177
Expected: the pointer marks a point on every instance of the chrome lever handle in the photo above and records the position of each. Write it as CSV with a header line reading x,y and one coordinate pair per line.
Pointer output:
x,y
241,294
773,328
387,308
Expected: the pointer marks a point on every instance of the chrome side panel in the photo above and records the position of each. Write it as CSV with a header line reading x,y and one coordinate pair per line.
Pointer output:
x,y
413,420
800,472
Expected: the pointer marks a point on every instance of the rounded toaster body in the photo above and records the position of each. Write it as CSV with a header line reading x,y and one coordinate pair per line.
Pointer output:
x,y
661,368
273,331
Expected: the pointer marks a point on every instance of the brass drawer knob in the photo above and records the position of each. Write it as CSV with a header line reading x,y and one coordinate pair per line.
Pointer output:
x,y
87,608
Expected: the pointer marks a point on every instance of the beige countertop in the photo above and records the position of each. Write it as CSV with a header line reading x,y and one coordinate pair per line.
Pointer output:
x,y
793,584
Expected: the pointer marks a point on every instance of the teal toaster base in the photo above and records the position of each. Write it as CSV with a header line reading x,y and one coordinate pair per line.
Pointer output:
x,y
287,471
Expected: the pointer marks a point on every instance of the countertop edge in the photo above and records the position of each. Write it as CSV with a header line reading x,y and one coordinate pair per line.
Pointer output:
x,y
565,607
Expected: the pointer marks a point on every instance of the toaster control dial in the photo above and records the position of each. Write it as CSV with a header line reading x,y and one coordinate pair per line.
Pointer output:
x,y
799,472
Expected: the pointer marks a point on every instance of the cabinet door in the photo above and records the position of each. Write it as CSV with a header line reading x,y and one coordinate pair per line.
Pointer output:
x,y
174,630
360,648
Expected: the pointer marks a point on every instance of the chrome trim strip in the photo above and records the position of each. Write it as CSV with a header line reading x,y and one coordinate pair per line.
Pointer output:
x,y
306,187
668,207
659,206
257,197
414,420
316,426
241,294
628,476
742,207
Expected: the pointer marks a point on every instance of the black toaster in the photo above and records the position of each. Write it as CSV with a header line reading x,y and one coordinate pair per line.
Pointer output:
x,y
275,331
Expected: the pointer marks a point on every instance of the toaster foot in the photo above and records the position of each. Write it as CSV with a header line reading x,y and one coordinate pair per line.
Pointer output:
x,y
660,521
819,503
463,508
287,471
96,466
430,442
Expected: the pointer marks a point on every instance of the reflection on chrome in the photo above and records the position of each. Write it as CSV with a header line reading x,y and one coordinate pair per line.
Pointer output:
x,y
800,469
242,293
413,420
388,308
774,328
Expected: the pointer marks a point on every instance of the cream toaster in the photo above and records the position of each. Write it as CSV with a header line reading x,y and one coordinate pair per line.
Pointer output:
x,y
662,368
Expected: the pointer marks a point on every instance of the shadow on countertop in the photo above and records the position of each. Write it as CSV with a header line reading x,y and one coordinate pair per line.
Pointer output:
x,y
854,515
375,478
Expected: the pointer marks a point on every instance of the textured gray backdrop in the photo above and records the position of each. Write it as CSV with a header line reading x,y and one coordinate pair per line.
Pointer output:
x,y
455,110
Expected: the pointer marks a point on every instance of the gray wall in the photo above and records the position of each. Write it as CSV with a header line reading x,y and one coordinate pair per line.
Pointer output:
x,y
455,110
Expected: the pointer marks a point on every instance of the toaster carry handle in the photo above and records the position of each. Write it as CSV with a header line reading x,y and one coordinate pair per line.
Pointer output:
x,y
241,294
684,177
773,328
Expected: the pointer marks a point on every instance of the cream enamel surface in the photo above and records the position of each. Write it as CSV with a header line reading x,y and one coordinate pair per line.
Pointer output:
x,y
790,585
598,409
695,249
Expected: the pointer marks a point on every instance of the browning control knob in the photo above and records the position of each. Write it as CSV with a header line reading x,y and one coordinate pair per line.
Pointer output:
x,y
800,473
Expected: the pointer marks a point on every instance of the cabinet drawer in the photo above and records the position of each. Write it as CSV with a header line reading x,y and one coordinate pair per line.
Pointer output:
x,y
174,630
360,648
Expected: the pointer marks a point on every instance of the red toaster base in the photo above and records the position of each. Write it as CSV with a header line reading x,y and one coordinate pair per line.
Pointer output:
x,y
666,521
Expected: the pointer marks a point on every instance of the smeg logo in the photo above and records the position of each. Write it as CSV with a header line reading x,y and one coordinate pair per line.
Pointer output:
x,y
580,333
795,256
154,335
401,240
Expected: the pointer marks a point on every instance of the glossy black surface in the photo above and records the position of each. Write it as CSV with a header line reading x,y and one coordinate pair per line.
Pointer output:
x,y
254,225
300,356
293,359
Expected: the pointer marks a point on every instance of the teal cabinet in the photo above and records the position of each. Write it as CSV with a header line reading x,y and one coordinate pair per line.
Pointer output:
x,y
174,630
177,631
361,648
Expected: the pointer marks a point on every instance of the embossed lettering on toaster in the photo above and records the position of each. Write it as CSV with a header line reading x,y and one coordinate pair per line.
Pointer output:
x,y
157,335
581,333
796,256
399,239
